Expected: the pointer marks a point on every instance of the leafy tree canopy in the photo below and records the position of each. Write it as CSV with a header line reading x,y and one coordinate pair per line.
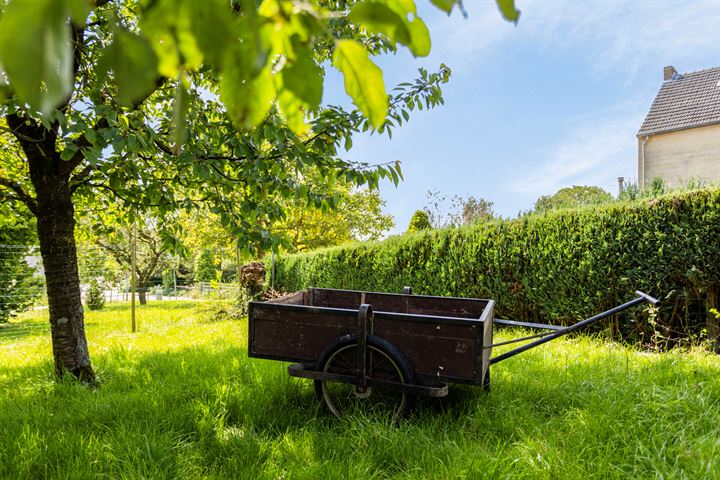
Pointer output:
x,y
171,104
572,197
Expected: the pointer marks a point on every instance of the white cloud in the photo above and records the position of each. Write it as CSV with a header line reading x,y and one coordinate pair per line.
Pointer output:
x,y
628,35
594,152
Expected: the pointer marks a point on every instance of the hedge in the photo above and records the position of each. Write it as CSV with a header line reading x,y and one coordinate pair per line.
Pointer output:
x,y
554,268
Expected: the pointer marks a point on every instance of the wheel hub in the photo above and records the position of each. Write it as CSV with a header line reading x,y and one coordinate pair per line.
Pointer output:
x,y
361,392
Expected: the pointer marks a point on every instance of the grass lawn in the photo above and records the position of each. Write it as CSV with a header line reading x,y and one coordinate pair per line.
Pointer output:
x,y
180,399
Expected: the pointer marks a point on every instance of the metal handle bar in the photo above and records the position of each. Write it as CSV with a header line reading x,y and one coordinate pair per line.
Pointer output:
x,y
642,297
647,297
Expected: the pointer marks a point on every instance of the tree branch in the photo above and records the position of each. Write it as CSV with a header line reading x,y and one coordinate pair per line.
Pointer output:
x,y
79,178
21,195
83,142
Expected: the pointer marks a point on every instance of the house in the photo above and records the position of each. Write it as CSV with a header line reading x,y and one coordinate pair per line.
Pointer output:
x,y
679,140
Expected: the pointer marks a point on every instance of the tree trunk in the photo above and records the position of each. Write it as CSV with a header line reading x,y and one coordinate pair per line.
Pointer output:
x,y
56,233
53,208
142,295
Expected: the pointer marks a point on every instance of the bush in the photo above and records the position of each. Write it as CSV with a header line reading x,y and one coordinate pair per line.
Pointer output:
x,y
419,221
205,266
95,299
555,268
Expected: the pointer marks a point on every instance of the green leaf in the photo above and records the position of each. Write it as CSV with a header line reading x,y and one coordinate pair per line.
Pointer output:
x,y
380,18
69,151
79,10
294,111
248,101
508,10
419,38
303,77
36,52
212,27
392,21
179,115
363,80
134,65
444,5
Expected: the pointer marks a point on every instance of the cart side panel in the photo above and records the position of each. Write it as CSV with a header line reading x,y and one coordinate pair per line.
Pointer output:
x,y
297,298
400,303
447,307
324,297
436,350
295,333
385,302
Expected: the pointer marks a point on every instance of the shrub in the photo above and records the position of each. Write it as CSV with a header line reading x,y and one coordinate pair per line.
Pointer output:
x,y
205,266
95,299
555,268
419,221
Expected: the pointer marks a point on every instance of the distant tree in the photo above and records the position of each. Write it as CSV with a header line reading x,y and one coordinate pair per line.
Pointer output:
x,y
572,197
435,208
419,221
96,265
471,211
461,212
152,252
358,216
205,266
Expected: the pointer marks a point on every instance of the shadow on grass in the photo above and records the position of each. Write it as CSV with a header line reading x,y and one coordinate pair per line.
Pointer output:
x,y
15,331
214,411
36,323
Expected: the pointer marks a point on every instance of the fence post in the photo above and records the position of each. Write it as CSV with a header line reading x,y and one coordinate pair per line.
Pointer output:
x,y
272,269
132,275
239,270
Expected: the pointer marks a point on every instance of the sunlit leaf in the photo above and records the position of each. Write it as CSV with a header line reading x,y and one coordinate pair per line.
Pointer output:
x,y
420,38
444,5
36,52
380,18
179,116
363,80
508,10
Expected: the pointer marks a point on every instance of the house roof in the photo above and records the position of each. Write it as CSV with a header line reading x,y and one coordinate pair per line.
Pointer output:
x,y
685,101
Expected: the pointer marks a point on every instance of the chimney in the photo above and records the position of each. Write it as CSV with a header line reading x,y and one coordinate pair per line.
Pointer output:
x,y
621,185
669,73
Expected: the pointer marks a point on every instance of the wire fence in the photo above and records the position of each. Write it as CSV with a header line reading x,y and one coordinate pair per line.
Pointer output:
x,y
22,286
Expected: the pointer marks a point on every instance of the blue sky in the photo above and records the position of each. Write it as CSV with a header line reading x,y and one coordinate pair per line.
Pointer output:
x,y
552,102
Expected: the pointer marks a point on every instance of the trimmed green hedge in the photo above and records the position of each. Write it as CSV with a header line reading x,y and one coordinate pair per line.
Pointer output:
x,y
555,268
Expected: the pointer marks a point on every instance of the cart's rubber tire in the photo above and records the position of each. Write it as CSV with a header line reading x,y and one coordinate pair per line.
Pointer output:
x,y
385,362
486,381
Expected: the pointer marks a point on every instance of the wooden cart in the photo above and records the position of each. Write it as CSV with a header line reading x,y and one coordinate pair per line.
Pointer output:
x,y
377,351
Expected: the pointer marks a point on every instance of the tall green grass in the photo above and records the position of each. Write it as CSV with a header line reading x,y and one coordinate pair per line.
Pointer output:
x,y
180,399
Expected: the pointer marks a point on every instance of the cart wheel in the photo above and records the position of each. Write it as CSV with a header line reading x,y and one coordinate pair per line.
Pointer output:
x,y
385,362
486,381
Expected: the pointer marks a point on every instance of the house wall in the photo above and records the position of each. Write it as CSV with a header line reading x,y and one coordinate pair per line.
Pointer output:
x,y
679,156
